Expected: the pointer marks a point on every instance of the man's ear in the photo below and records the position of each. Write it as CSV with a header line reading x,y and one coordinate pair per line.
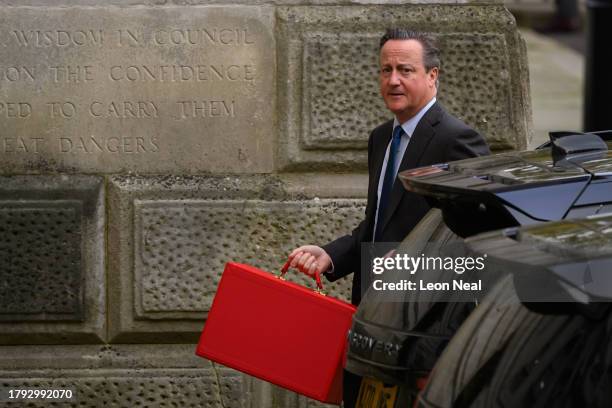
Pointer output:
x,y
433,75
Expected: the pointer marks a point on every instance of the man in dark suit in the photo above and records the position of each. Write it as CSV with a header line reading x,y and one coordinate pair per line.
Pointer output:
x,y
422,133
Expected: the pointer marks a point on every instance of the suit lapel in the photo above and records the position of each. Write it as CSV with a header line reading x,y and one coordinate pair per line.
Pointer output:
x,y
380,148
419,141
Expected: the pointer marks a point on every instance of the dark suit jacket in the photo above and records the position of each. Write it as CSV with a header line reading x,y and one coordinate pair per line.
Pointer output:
x,y
438,138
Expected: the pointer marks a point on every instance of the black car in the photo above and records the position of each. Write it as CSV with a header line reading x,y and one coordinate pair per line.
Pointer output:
x,y
543,335
395,344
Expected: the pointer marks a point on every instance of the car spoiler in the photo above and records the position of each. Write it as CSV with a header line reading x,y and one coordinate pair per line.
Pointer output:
x,y
510,189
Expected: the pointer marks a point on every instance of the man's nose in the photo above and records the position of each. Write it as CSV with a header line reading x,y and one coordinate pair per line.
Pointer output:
x,y
394,78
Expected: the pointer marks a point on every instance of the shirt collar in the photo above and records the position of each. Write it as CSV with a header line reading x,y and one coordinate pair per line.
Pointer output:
x,y
412,123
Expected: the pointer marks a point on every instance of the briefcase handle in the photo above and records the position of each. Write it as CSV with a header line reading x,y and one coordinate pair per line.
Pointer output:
x,y
317,277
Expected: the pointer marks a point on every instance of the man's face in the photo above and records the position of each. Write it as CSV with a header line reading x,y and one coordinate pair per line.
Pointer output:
x,y
405,85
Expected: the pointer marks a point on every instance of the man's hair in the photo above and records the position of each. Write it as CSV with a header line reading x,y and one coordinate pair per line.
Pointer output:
x,y
431,53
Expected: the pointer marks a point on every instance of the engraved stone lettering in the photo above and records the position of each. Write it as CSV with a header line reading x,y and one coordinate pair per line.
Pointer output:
x,y
14,74
241,155
129,37
15,109
58,38
170,87
203,36
182,73
20,144
205,109
65,110
112,144
73,74
123,110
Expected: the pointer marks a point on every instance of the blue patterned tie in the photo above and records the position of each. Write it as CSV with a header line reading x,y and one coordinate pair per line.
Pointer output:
x,y
388,181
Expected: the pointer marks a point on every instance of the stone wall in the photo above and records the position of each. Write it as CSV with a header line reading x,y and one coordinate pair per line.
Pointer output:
x,y
146,143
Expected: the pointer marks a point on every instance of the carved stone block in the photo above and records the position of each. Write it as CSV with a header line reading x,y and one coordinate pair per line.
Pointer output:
x,y
114,89
170,255
123,376
52,286
329,82
40,260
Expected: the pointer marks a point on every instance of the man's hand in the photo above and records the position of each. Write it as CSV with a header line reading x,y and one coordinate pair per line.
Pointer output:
x,y
309,259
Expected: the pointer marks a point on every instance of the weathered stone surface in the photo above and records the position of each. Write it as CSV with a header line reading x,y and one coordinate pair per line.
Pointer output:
x,y
268,395
107,90
169,236
40,260
123,376
52,286
157,3
182,245
168,258
331,91
139,375
328,71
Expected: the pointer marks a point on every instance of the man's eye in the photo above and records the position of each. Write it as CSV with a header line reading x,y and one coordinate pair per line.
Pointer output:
x,y
405,71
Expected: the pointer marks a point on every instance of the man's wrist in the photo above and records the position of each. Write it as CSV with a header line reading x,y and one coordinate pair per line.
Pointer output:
x,y
330,269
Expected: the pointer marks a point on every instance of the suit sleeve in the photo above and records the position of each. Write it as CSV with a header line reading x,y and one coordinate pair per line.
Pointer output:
x,y
345,251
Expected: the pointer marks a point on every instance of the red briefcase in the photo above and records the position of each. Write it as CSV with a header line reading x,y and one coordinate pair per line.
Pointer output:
x,y
278,331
